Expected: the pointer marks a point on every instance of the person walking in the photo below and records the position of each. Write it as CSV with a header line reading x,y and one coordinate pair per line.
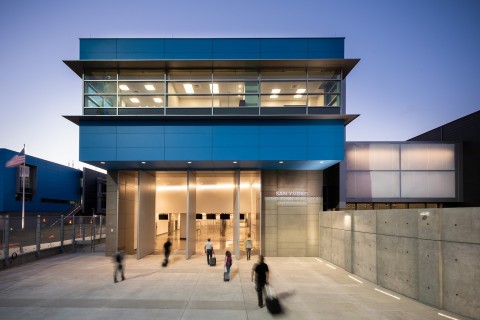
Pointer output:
x,y
260,273
119,267
248,246
228,261
166,249
209,250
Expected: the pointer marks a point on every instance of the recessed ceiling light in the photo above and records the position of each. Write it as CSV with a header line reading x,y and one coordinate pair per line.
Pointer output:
x,y
300,91
214,90
124,87
102,162
158,100
134,100
273,96
189,162
322,161
188,88
234,161
149,87
280,161
298,96
143,162
275,91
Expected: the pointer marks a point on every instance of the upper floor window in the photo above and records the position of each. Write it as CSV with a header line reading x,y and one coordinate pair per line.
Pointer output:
x,y
127,88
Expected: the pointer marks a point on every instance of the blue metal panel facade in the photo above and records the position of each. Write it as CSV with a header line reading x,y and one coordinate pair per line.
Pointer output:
x,y
211,48
212,140
53,182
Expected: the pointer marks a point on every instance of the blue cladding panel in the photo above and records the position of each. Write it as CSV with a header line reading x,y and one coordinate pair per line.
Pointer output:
x,y
188,140
141,45
206,48
211,140
98,154
188,45
187,154
141,140
141,154
89,140
98,49
283,139
283,153
236,140
284,45
236,153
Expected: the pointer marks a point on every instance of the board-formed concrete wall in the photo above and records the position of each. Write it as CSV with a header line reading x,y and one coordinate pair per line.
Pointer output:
x,y
431,255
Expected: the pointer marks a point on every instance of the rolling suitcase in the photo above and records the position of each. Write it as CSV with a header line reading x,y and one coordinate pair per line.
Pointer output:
x,y
226,276
212,261
165,262
271,301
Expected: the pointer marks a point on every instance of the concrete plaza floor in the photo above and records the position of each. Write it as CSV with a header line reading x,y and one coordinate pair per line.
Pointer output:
x,y
80,286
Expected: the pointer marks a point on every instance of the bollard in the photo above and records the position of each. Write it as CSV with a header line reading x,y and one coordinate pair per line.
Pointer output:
x,y
62,233
6,240
37,236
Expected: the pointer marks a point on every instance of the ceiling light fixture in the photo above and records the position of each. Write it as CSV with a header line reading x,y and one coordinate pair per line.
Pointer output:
x,y
143,162
275,91
102,162
124,87
280,162
188,88
149,87
134,100
158,100
274,96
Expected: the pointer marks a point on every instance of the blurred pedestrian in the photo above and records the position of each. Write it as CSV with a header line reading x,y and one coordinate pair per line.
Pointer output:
x,y
248,246
209,250
166,249
119,267
261,273
228,260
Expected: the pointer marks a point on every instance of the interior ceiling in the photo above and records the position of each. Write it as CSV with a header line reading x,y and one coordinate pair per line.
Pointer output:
x,y
204,177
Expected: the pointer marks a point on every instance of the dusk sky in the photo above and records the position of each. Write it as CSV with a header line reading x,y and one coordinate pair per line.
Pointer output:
x,y
419,67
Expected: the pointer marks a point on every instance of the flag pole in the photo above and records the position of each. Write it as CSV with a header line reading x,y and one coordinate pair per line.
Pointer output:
x,y
23,189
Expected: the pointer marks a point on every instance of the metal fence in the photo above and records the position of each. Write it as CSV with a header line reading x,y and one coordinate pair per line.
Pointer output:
x,y
41,233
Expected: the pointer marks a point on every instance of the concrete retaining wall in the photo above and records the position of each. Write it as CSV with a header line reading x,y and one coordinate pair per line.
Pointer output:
x,y
431,255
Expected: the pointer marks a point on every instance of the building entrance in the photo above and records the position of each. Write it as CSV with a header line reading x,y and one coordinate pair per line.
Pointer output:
x,y
192,207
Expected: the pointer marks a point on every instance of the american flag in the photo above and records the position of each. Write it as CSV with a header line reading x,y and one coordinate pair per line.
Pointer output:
x,y
17,159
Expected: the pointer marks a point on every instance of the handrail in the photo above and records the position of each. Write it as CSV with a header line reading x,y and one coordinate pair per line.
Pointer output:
x,y
73,211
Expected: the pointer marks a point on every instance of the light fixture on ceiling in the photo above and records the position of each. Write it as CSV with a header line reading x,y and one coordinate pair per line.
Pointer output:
x,y
280,162
299,94
214,88
134,100
235,162
275,93
188,88
143,162
102,162
123,87
189,162
158,100
149,87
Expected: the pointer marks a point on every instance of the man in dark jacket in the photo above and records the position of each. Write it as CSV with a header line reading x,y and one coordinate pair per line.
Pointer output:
x,y
260,271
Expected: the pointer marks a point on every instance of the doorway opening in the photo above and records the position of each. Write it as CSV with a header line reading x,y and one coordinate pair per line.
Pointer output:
x,y
227,210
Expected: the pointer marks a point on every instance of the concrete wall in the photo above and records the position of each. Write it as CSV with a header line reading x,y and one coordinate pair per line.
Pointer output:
x,y
431,255
291,205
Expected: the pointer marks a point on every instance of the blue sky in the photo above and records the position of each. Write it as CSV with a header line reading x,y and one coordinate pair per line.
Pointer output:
x,y
419,68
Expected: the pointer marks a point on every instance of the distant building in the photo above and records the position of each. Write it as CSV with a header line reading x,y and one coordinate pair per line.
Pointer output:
x,y
51,189
465,131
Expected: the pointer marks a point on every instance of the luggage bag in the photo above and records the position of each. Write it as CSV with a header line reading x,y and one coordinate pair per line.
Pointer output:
x,y
212,261
271,301
226,276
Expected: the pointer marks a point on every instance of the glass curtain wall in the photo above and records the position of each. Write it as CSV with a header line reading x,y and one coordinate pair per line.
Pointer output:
x,y
215,193
108,90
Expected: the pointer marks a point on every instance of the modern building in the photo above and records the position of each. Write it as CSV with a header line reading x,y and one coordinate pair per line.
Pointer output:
x,y
239,129
236,137
465,131
51,190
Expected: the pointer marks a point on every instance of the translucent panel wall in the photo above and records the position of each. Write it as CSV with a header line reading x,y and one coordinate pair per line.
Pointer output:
x,y
400,170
